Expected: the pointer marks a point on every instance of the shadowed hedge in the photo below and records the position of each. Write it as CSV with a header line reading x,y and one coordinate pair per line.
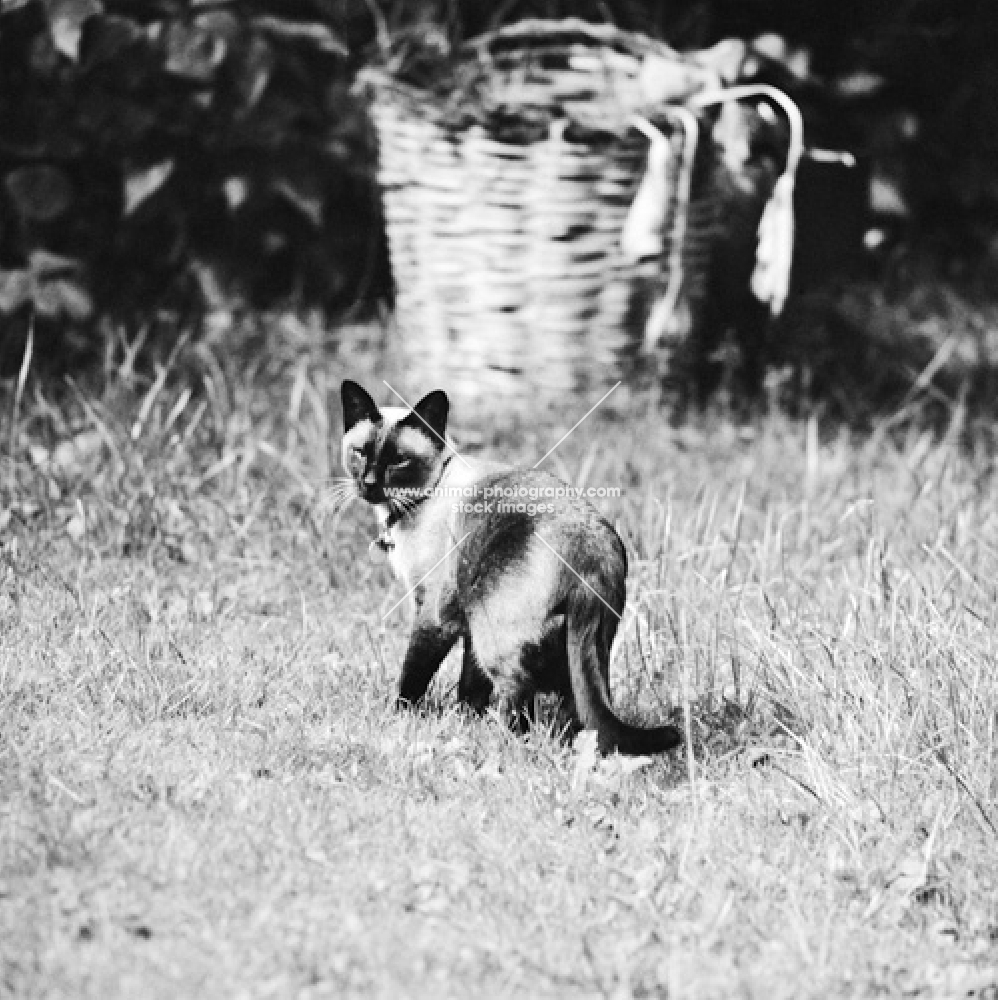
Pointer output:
x,y
153,154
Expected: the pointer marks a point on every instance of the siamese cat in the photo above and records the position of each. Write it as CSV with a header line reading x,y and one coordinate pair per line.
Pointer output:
x,y
532,579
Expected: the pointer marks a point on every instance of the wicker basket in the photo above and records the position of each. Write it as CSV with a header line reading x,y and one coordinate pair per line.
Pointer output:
x,y
505,195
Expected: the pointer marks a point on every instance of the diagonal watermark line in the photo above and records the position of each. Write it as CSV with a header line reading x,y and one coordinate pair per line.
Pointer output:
x,y
540,538
455,546
444,440
567,433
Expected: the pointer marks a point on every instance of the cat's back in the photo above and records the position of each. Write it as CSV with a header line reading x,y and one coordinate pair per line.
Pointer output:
x,y
512,505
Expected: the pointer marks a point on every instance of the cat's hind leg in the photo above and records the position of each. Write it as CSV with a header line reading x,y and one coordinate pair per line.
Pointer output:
x,y
474,688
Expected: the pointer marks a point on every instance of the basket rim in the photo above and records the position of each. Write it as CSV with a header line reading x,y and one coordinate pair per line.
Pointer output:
x,y
544,29
519,42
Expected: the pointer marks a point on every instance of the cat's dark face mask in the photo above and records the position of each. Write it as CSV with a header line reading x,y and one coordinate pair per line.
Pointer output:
x,y
392,455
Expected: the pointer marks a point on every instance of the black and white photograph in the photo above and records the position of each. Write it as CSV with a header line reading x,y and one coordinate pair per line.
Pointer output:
x,y
498,499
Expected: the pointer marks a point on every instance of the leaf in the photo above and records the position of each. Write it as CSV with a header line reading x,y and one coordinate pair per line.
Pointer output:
x,y
794,58
303,191
70,457
210,284
66,18
220,23
670,80
886,195
72,299
140,185
253,71
46,299
53,290
15,290
40,192
45,264
193,53
236,190
727,59
860,83
316,35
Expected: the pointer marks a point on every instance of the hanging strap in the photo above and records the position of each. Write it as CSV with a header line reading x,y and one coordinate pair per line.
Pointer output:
x,y
666,305
771,278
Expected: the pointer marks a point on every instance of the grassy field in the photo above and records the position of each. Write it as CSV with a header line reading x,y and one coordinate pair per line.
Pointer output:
x,y
205,791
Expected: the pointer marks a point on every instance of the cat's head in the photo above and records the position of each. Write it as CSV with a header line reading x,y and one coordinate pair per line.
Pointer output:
x,y
393,448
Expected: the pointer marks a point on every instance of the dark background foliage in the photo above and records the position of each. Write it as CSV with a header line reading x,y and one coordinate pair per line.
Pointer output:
x,y
171,155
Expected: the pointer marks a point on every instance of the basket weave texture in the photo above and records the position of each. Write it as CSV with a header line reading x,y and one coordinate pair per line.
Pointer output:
x,y
505,193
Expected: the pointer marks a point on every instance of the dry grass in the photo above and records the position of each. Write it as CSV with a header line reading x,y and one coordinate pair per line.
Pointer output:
x,y
205,792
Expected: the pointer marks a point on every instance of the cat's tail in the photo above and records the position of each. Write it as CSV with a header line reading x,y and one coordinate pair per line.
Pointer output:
x,y
590,626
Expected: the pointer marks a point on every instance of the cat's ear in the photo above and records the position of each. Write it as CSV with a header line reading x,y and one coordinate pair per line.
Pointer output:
x,y
357,405
431,412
